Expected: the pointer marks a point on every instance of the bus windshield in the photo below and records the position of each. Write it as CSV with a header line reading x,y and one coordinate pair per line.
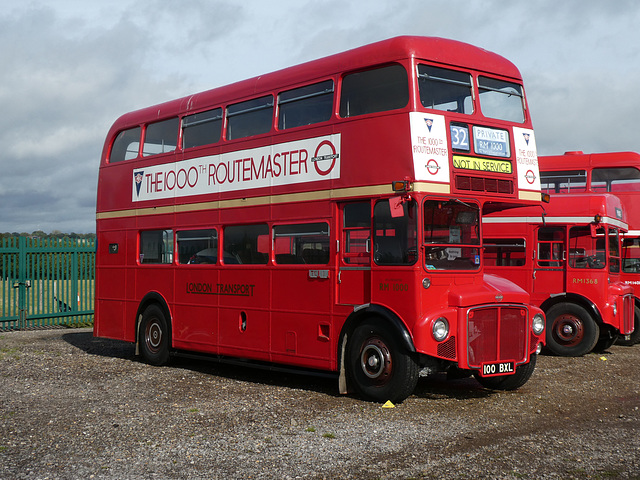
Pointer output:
x,y
501,100
587,250
631,249
451,235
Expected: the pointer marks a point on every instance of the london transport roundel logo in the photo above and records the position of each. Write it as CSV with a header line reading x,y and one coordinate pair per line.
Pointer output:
x,y
331,156
530,177
432,167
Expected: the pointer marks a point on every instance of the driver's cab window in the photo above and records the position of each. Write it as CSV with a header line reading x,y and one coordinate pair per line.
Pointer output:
x,y
631,253
614,251
451,235
587,247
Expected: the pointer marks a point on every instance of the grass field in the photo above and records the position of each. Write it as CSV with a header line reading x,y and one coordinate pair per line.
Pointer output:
x,y
47,303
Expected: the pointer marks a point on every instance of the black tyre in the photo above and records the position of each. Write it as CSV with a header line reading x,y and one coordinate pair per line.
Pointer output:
x,y
571,330
378,366
509,382
635,335
607,338
154,336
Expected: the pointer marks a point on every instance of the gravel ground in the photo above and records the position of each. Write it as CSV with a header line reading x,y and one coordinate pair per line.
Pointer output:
x,y
72,406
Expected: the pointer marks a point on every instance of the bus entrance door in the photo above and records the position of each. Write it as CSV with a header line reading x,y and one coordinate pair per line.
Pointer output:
x,y
550,270
354,272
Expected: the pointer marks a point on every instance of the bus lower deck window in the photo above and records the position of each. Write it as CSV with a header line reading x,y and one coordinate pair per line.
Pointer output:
x,y
156,246
197,246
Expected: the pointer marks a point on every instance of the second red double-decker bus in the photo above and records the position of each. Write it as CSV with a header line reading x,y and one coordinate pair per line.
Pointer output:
x,y
614,172
567,255
325,216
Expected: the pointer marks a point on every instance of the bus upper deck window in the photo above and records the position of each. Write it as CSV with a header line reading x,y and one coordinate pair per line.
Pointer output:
x,y
160,137
126,145
611,179
252,117
443,89
501,100
305,105
376,90
564,181
202,128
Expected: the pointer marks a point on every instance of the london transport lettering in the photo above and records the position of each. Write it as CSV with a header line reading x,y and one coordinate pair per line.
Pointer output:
x,y
309,160
231,289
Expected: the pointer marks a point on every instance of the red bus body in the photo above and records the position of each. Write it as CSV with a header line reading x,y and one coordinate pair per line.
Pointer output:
x,y
614,172
567,255
309,249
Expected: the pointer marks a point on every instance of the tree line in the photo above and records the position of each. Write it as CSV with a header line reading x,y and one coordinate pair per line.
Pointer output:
x,y
55,234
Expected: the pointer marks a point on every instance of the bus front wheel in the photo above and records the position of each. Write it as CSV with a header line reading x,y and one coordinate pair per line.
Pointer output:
x,y
571,330
154,336
378,366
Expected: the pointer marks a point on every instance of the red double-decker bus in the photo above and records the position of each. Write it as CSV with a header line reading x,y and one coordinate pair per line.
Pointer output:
x,y
617,173
325,216
567,255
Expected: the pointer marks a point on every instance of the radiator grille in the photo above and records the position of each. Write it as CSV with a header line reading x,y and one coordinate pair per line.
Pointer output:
x,y
448,349
497,333
628,314
481,184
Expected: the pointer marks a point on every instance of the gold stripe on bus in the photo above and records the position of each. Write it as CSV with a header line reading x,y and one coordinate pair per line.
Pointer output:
x,y
252,201
528,195
431,187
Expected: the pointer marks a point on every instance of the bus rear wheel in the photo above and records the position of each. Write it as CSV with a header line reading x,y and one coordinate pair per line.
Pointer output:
x,y
154,336
509,382
378,366
571,330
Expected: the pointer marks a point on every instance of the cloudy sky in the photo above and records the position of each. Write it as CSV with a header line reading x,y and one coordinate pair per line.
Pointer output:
x,y
69,68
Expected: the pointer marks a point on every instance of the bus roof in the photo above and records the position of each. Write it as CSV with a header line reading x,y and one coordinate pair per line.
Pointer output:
x,y
579,160
578,208
435,49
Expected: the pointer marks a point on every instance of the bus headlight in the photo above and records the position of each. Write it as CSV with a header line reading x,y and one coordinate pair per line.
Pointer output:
x,y
538,323
440,329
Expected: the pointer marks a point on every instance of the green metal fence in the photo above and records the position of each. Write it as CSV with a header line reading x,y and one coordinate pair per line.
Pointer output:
x,y
46,282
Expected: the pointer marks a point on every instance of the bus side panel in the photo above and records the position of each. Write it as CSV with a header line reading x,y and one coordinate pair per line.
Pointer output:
x,y
301,316
244,318
510,266
389,132
400,291
195,322
110,285
150,278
